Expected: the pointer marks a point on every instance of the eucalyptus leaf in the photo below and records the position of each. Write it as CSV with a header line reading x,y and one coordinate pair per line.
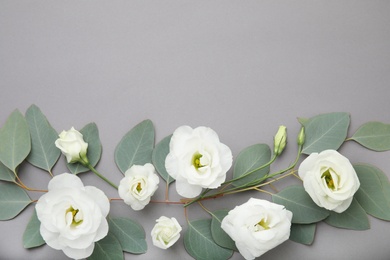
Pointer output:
x,y
219,235
304,210
303,233
354,218
159,154
199,243
108,248
32,236
373,192
248,160
90,134
374,136
136,146
6,174
44,154
15,141
13,200
129,233
326,131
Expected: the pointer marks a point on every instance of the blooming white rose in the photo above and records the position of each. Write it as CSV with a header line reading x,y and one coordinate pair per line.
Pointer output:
x,y
197,159
257,226
72,145
72,216
166,232
330,180
138,185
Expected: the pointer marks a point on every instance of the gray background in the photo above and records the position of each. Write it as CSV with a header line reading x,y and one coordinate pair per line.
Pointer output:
x,y
239,67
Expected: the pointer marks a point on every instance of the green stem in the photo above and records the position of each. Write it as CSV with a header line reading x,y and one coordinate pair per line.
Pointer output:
x,y
89,166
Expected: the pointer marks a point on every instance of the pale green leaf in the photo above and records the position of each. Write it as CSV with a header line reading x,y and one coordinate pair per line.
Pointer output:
x,y
248,160
326,131
130,235
374,136
44,154
136,146
108,248
13,200
31,236
6,174
353,218
90,134
296,200
219,235
199,243
160,152
373,192
15,141
303,233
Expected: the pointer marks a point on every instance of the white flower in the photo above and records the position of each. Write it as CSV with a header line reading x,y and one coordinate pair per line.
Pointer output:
x,y
166,232
197,159
73,217
329,179
138,185
257,226
72,145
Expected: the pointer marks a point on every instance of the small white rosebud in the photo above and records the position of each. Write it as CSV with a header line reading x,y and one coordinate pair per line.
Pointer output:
x,y
280,140
73,146
166,232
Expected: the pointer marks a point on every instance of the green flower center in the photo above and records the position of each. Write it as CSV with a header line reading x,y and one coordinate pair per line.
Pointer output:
x,y
75,219
262,225
328,179
196,161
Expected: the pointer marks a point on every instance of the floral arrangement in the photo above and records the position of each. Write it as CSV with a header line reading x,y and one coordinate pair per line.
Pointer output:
x,y
75,218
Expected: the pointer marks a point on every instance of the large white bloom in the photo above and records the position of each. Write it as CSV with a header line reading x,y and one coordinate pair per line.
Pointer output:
x,y
73,217
72,145
330,180
197,159
138,185
257,226
166,232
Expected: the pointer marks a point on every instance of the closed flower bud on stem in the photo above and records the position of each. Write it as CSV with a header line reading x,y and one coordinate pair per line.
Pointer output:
x,y
301,136
280,140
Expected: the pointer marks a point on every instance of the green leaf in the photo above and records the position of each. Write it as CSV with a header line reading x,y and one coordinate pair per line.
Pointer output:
x,y
136,146
199,243
303,233
373,192
374,136
6,174
13,200
219,235
91,136
44,154
159,154
249,159
31,236
304,210
130,234
15,141
327,131
353,218
108,248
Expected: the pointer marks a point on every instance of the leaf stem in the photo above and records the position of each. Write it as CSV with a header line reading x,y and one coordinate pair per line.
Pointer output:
x,y
89,166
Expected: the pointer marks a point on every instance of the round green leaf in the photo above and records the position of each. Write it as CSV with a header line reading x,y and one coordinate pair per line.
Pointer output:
x,y
13,200
219,235
296,200
326,131
31,236
44,154
130,235
108,248
6,174
374,136
303,233
200,244
15,141
159,154
136,146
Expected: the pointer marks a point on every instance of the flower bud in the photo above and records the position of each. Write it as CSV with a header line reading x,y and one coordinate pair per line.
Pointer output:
x,y
73,146
280,140
301,136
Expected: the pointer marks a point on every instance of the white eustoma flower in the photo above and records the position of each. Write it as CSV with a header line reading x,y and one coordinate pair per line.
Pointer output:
x,y
330,180
138,185
257,226
166,232
197,159
72,145
72,216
